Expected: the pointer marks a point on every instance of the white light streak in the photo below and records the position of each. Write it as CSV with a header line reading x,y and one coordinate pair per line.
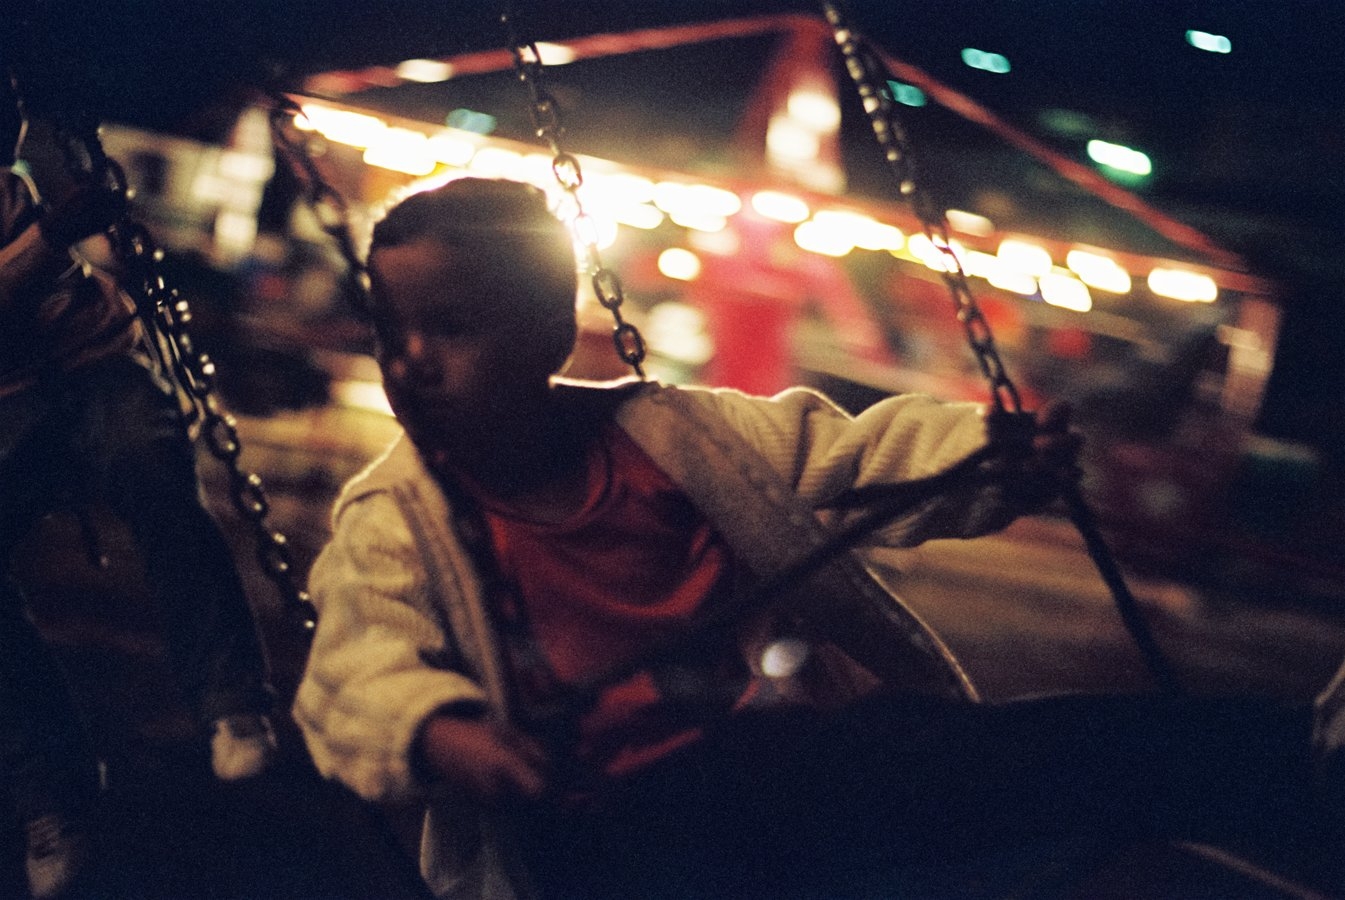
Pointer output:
x,y
425,71
1061,288
401,150
1119,157
1098,271
970,223
780,207
1025,257
1183,284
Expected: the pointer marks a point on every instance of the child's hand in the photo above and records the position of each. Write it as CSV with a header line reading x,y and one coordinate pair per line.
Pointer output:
x,y
492,763
1055,447
1038,469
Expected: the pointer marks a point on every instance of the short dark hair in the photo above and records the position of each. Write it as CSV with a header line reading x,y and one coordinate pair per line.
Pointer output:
x,y
513,240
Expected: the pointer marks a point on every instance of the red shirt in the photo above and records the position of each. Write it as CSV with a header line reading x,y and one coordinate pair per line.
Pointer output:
x,y
630,568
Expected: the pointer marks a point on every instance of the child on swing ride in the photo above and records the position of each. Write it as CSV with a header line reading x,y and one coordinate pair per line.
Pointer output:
x,y
513,611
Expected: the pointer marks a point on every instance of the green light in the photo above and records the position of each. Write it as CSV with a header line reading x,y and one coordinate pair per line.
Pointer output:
x,y
986,62
1121,158
1214,43
908,94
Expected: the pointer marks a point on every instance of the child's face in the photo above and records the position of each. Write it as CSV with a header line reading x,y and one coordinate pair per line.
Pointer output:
x,y
453,364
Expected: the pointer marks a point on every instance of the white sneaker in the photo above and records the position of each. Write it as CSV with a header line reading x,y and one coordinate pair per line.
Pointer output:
x,y
56,854
242,746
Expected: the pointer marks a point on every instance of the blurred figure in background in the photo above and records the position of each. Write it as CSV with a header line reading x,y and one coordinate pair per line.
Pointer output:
x,y
85,418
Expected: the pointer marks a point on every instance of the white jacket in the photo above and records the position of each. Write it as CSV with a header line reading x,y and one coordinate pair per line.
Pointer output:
x,y
403,632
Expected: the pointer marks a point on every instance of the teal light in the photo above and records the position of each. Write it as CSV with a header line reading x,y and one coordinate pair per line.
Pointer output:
x,y
470,120
986,62
1213,43
908,94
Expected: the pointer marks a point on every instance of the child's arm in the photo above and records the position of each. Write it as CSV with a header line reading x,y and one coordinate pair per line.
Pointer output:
x,y
374,674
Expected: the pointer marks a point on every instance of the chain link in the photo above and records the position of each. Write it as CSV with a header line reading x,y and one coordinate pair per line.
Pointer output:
x,y
167,316
548,125
1007,404
328,206
896,149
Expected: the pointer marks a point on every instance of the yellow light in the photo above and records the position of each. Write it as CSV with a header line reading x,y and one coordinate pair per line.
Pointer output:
x,y
1007,279
425,71
715,243
677,331
815,110
1096,270
879,236
970,223
1060,288
401,150
695,201
637,215
535,169
240,166
980,264
496,162
1183,284
594,231
554,54
344,127
860,230
679,264
784,657
789,139
929,253
715,201
618,188
698,220
1025,257
451,149
780,207
366,395
816,237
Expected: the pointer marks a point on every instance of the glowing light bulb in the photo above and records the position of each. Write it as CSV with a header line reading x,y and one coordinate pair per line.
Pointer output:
x,y
679,264
1212,43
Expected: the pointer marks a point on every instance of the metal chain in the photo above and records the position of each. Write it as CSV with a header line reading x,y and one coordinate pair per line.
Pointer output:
x,y
897,153
329,207
167,316
546,120
1008,421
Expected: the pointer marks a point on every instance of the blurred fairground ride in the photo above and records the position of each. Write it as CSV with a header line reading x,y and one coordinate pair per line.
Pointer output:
x,y
731,180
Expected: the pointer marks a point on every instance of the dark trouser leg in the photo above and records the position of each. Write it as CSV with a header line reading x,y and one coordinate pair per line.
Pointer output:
x,y
797,806
49,765
47,757
146,469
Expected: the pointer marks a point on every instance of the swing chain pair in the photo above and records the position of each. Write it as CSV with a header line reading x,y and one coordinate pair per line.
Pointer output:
x,y
896,148
167,315
548,125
